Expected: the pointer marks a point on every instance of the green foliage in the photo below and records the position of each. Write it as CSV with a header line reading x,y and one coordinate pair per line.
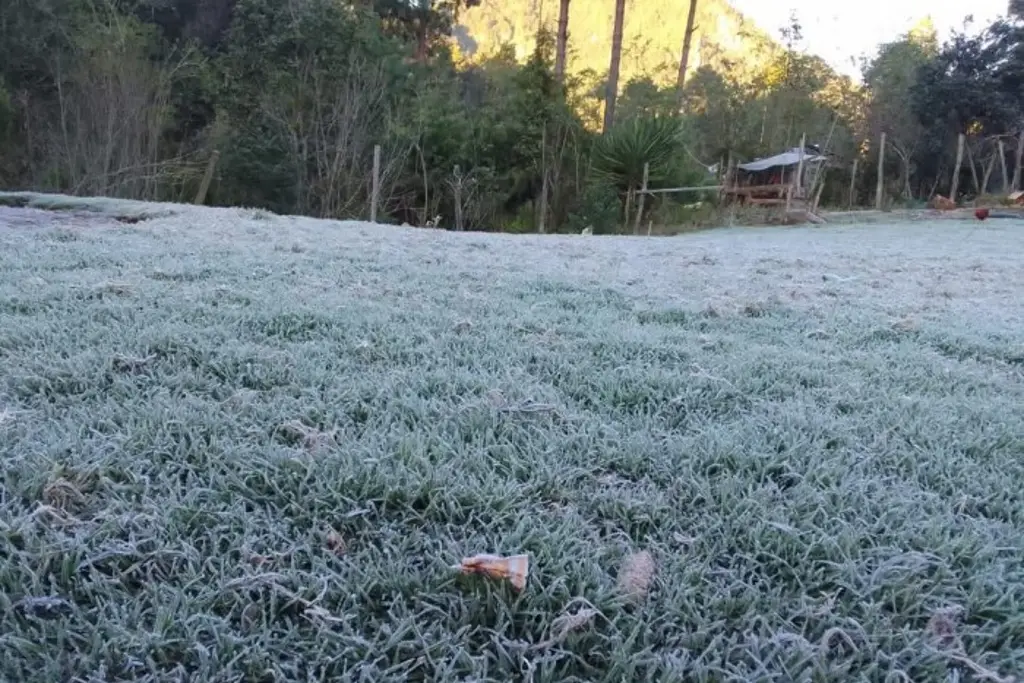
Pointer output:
x,y
7,114
599,208
621,154
296,95
891,78
973,85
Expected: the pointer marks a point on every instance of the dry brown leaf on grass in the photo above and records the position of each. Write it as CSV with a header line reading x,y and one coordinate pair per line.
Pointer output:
x,y
497,399
514,569
251,616
63,494
568,622
942,627
906,324
55,516
123,363
310,437
637,575
336,543
260,561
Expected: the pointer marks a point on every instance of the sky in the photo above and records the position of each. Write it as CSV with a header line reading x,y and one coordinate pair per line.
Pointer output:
x,y
839,31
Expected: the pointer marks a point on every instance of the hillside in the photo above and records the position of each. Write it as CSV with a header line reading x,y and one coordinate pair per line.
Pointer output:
x,y
652,40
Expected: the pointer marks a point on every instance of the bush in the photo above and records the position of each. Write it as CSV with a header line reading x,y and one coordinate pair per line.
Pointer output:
x,y
598,207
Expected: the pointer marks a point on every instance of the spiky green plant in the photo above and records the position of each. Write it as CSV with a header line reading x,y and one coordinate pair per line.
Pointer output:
x,y
619,156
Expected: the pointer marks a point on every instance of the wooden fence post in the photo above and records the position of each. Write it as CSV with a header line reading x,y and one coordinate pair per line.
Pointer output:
x,y
1002,166
204,186
375,192
800,166
880,184
457,187
1015,184
853,180
956,167
640,199
542,218
797,183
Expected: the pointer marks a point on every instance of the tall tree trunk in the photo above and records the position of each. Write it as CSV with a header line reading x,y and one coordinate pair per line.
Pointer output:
x,y
562,41
685,59
422,39
613,69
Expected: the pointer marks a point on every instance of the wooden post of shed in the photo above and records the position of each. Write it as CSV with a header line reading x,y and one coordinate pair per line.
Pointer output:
x,y
375,189
1015,184
727,181
853,180
990,167
796,183
954,185
800,168
879,185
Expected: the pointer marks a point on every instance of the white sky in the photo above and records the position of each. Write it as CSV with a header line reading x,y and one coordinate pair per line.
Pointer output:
x,y
838,31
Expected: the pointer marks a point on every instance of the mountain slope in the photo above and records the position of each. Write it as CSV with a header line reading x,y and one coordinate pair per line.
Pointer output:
x,y
652,41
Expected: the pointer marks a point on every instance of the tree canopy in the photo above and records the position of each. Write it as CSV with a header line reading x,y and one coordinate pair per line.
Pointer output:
x,y
131,98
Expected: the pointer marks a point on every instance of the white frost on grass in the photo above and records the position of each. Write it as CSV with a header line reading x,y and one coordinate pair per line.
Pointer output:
x,y
815,432
969,270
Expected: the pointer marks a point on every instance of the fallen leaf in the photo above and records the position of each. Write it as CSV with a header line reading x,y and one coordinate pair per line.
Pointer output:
x,y
62,494
251,617
259,560
46,607
942,627
335,543
497,399
123,363
310,437
637,575
515,568
683,540
568,622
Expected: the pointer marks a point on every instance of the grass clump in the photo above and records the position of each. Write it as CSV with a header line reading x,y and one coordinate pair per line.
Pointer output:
x,y
262,466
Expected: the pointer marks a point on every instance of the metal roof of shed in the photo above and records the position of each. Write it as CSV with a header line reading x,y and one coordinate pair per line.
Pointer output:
x,y
788,158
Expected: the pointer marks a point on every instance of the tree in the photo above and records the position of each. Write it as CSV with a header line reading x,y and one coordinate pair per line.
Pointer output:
x,y
563,39
685,59
612,86
622,153
890,78
421,22
974,85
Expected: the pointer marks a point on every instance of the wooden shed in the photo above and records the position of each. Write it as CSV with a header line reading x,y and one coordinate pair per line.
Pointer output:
x,y
777,179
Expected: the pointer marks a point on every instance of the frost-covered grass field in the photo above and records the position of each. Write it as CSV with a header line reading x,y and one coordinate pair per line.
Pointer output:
x,y
242,447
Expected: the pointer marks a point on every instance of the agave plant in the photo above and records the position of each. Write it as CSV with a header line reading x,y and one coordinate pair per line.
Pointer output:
x,y
620,155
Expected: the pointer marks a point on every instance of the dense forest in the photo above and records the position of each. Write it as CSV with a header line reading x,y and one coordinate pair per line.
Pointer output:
x,y
515,117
